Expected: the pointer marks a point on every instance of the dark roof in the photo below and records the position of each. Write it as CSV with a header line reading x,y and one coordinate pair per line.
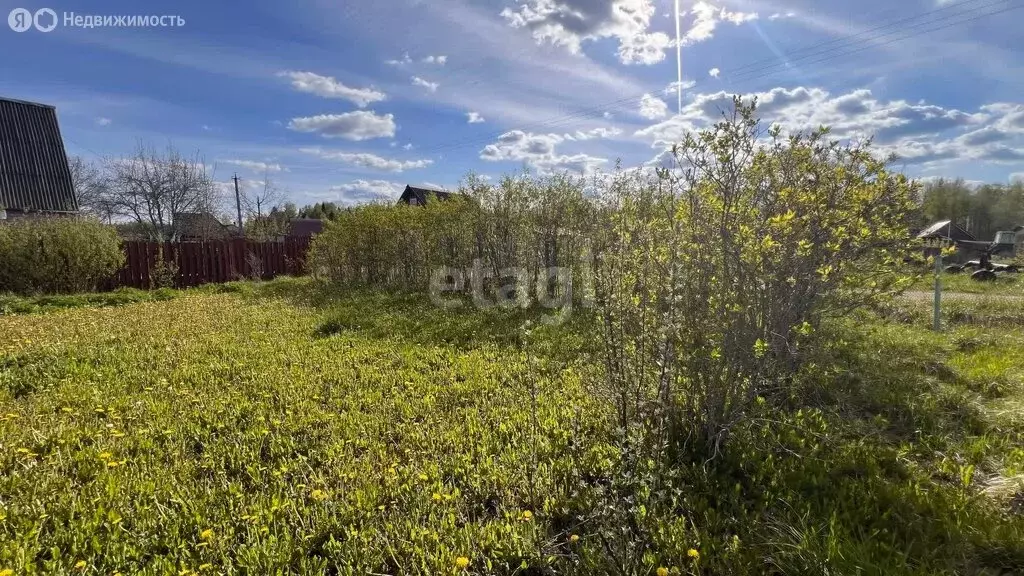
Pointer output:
x,y
420,194
946,229
305,226
34,173
200,225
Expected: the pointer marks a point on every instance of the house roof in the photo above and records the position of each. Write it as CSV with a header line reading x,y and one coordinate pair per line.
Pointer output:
x,y
34,172
945,229
305,226
420,194
199,224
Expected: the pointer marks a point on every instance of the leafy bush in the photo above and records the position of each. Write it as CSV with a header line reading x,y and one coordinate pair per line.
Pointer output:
x,y
57,255
525,223
164,273
710,275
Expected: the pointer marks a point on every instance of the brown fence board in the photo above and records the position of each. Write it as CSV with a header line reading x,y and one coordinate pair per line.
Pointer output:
x,y
209,262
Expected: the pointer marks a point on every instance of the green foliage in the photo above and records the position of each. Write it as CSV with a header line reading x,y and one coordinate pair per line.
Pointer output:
x,y
57,255
164,273
321,211
530,224
712,277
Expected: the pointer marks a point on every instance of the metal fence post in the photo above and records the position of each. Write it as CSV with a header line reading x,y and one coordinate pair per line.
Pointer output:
x,y
937,314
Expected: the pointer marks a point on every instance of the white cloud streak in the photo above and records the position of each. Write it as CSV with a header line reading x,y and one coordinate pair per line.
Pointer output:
x,y
431,86
367,160
355,126
328,87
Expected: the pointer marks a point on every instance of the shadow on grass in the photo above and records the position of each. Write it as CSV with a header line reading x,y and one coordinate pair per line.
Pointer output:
x,y
895,376
413,317
11,304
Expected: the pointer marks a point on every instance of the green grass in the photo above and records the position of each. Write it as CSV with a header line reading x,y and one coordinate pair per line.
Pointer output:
x,y
284,428
15,304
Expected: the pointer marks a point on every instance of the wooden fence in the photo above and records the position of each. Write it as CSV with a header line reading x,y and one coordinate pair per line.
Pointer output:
x,y
214,261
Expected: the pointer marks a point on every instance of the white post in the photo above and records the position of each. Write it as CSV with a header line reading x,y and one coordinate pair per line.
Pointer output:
x,y
679,62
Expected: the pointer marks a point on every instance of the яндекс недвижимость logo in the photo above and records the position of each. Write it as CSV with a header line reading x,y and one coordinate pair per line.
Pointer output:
x,y
21,19
46,19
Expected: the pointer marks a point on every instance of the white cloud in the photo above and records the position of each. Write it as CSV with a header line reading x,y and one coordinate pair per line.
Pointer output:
x,y
368,190
706,18
778,15
101,121
328,87
432,86
405,60
537,151
367,160
608,115
356,126
918,133
255,165
671,89
714,72
474,117
569,23
594,133
652,107
439,60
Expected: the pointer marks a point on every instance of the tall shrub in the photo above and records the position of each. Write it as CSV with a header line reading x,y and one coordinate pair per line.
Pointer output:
x,y
712,274
57,255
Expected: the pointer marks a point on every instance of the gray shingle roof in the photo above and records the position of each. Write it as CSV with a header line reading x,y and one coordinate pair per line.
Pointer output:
x,y
34,173
420,194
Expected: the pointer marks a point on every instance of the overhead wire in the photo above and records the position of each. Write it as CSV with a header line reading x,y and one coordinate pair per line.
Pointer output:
x,y
973,14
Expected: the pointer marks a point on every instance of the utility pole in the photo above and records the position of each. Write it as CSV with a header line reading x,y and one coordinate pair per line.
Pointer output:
x,y
679,63
238,205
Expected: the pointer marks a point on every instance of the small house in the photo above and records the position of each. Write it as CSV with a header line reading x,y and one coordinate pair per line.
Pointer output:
x,y
417,196
305,227
945,229
34,175
200,226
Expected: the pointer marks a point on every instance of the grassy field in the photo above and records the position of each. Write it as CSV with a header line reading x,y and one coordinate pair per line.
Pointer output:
x,y
279,428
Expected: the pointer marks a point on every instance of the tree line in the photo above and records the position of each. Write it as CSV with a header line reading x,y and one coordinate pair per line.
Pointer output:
x,y
981,210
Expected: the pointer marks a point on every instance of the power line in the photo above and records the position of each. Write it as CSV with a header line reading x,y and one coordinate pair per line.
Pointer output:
x,y
553,122
875,44
810,47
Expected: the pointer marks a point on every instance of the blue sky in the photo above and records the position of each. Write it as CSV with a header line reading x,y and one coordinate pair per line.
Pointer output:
x,y
350,100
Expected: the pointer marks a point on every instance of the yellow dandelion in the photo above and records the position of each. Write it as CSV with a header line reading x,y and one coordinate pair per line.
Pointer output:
x,y
80,565
662,571
7,572
318,495
206,534
424,477
527,515
113,464
106,455
462,562
574,538
437,497
692,553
